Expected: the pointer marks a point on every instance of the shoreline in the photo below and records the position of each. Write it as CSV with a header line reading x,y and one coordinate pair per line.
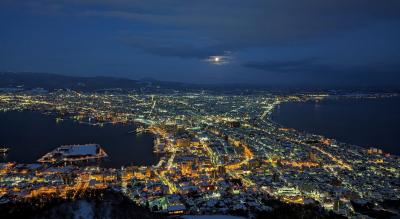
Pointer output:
x,y
135,141
329,98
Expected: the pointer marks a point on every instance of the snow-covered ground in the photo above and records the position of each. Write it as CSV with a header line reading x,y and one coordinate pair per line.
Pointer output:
x,y
211,217
84,210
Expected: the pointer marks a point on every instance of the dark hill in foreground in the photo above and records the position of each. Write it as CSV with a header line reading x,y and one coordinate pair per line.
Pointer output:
x,y
110,204
93,204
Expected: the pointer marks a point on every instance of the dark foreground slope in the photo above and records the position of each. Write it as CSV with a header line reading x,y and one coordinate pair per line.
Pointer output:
x,y
280,210
110,204
93,204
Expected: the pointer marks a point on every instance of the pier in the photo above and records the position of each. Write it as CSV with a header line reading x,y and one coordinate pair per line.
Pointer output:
x,y
74,153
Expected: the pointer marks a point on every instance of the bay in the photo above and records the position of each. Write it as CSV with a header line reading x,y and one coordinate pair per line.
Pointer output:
x,y
32,134
363,122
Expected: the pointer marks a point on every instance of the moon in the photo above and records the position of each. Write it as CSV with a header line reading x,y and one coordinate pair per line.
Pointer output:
x,y
219,59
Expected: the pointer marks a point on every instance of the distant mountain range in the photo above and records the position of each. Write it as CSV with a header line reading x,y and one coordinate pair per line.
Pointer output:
x,y
50,82
30,80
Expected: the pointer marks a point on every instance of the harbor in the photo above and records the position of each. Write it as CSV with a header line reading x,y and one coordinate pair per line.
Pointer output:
x,y
4,150
30,135
74,153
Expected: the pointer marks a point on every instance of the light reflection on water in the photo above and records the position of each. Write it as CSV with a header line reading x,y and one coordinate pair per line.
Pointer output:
x,y
31,134
363,122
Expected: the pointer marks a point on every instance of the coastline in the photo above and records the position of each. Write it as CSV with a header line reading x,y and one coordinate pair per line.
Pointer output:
x,y
273,119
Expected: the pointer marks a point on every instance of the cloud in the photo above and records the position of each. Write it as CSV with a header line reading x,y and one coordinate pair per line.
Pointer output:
x,y
182,44
275,31
233,24
133,16
291,66
317,66
317,71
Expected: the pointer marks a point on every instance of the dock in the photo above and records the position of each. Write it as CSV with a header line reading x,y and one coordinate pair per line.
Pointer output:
x,y
74,153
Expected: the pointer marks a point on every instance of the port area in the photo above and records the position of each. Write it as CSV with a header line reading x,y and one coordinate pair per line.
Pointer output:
x,y
4,150
74,153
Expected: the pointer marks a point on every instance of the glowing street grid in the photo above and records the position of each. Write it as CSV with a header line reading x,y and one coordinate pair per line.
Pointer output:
x,y
217,152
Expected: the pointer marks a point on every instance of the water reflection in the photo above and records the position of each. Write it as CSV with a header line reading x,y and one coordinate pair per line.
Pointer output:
x,y
31,134
363,122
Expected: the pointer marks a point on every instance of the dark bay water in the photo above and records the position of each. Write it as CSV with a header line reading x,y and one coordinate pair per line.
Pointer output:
x,y
31,134
363,122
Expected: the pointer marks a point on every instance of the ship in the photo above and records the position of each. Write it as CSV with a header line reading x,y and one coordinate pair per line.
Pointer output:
x,y
4,150
141,130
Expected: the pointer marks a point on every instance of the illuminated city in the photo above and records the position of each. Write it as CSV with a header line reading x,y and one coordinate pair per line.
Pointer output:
x,y
211,109
218,153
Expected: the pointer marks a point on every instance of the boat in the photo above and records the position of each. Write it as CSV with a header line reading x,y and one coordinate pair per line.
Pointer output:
x,y
4,150
141,130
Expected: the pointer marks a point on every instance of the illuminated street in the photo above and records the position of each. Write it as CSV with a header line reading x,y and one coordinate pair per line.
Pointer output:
x,y
216,150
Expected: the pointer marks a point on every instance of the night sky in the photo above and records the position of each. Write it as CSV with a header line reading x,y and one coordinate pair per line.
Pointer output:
x,y
279,42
